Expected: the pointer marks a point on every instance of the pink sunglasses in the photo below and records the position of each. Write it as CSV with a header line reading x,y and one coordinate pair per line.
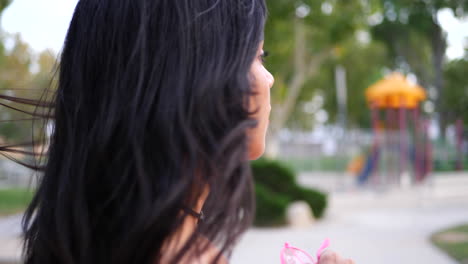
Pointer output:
x,y
293,255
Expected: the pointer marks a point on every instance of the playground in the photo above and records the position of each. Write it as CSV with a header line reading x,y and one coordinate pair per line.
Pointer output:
x,y
401,146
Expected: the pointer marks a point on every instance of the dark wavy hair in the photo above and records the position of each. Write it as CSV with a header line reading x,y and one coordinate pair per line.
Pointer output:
x,y
151,110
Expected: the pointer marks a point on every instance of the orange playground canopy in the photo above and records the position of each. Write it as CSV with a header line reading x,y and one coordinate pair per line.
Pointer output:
x,y
395,91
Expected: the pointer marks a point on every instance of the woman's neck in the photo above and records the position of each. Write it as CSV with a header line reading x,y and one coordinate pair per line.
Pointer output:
x,y
187,229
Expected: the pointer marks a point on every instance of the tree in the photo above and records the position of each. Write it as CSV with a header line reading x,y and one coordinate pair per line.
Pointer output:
x,y
15,77
455,98
3,5
415,39
17,80
364,63
304,36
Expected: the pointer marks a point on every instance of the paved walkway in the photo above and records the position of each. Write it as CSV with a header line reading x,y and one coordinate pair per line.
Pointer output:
x,y
10,244
372,228
390,227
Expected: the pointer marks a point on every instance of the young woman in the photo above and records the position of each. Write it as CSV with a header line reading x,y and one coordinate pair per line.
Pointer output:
x,y
159,107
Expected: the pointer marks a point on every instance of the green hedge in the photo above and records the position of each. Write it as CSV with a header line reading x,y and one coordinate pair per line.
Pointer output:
x,y
316,200
275,188
271,207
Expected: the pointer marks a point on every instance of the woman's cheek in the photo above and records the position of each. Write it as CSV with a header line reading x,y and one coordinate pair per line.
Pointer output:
x,y
260,104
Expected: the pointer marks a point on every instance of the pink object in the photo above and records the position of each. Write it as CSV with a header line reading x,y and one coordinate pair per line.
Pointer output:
x,y
293,255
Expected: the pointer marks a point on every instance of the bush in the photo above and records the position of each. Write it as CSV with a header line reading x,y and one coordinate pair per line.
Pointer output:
x,y
274,175
276,187
316,200
271,207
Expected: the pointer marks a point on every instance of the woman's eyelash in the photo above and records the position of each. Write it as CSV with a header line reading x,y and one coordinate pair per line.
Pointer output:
x,y
264,55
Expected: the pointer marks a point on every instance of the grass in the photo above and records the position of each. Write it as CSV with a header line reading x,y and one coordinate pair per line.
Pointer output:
x,y
340,163
454,241
14,200
321,163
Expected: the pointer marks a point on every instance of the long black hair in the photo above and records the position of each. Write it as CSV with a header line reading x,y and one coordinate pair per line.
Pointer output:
x,y
150,111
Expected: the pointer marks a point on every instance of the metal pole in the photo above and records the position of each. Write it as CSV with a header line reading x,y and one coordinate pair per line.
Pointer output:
x,y
428,167
375,146
403,141
459,135
417,165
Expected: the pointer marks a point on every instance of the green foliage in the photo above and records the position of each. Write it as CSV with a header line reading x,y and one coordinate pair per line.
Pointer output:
x,y
274,175
409,32
14,200
16,79
448,165
416,42
332,33
455,98
271,207
276,187
4,4
408,39
316,199
363,64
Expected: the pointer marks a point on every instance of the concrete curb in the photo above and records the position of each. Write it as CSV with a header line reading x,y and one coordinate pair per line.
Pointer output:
x,y
9,261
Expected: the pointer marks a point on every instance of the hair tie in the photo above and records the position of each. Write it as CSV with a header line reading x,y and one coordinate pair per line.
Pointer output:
x,y
200,216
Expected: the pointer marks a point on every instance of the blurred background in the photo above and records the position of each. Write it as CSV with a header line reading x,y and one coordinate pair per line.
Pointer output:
x,y
368,135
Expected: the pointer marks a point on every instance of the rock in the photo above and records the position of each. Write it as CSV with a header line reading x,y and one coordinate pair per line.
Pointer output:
x,y
299,214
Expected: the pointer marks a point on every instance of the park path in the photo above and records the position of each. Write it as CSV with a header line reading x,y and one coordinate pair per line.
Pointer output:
x,y
10,244
371,227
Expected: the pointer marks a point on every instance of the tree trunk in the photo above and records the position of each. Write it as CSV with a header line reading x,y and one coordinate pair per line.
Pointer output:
x,y
439,47
302,71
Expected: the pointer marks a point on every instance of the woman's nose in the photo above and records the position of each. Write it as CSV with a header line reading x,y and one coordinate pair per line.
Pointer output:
x,y
271,79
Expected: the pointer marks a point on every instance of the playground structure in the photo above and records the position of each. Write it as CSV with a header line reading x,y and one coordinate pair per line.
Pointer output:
x,y
401,151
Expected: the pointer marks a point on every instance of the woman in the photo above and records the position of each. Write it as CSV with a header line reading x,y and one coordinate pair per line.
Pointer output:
x,y
160,106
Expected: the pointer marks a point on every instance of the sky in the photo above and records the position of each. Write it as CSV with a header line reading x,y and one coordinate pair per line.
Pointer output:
x,y
43,24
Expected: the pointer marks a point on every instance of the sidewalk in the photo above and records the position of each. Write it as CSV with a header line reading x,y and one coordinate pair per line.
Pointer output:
x,y
10,244
390,227
371,228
